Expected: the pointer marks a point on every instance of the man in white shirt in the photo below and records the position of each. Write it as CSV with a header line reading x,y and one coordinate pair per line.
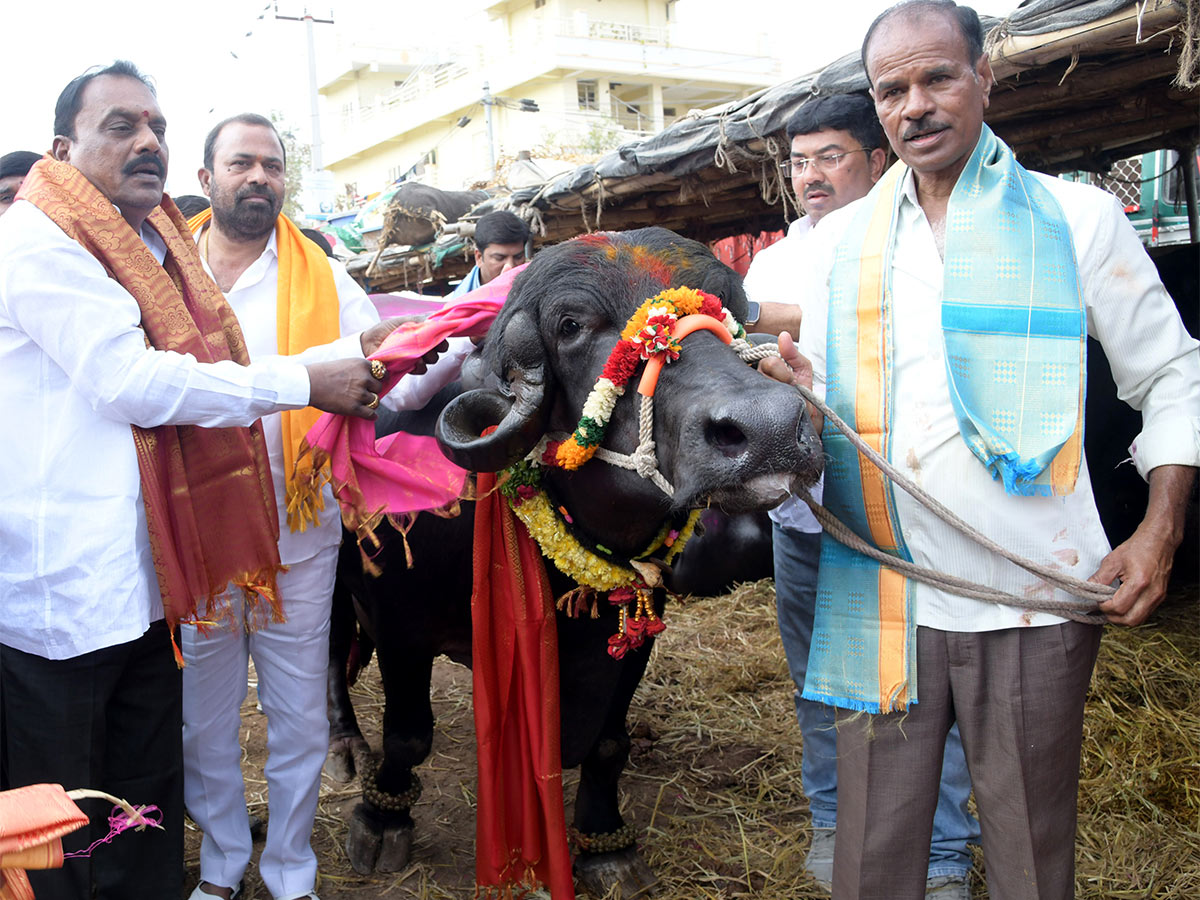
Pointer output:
x,y
290,299
958,297
838,152
110,534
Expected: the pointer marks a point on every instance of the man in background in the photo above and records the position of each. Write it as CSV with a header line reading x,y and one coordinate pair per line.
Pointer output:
x,y
500,239
13,169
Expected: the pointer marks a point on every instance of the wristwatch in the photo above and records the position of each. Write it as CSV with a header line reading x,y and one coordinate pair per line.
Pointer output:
x,y
753,314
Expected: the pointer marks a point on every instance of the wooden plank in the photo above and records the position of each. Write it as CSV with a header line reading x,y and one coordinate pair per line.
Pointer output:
x,y
1089,82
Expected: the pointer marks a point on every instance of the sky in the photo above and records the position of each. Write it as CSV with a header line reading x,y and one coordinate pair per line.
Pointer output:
x,y
214,59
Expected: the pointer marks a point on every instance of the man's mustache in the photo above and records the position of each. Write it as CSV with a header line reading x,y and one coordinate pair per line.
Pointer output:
x,y
824,187
923,126
252,191
146,159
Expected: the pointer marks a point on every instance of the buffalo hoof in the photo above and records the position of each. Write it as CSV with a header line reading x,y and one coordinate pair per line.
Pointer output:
x,y
395,849
597,873
339,763
363,843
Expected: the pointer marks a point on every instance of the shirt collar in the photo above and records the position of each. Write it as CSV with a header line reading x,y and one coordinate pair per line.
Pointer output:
x,y
151,238
272,247
800,227
909,190
257,270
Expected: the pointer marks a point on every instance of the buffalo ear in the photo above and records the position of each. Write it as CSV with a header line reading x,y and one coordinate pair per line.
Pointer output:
x,y
520,418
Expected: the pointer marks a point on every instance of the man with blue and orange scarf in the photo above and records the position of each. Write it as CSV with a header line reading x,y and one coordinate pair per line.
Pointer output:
x,y
291,300
949,312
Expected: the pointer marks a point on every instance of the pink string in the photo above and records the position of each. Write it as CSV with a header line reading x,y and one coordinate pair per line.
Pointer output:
x,y
120,821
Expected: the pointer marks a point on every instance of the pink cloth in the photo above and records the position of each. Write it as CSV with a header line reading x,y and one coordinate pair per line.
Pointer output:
x,y
404,473
390,305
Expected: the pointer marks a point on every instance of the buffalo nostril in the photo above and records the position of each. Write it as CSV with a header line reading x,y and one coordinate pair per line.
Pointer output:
x,y
726,437
804,430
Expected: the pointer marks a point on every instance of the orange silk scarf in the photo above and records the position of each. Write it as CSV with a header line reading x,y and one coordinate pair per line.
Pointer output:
x,y
520,831
210,503
33,820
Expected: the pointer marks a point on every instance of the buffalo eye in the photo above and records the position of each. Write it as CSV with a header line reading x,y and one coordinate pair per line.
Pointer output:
x,y
568,328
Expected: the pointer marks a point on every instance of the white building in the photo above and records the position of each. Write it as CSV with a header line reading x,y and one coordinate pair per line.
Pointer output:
x,y
599,71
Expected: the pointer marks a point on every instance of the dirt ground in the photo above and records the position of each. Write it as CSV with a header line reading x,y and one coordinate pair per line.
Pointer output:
x,y
713,783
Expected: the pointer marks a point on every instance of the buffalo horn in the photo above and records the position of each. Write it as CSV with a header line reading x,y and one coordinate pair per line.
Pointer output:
x,y
519,418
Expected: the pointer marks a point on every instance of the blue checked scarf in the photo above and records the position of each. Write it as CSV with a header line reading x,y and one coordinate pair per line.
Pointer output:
x,y
1015,331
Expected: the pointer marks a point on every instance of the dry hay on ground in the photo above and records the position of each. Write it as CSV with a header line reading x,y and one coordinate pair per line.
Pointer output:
x,y
714,776
1139,796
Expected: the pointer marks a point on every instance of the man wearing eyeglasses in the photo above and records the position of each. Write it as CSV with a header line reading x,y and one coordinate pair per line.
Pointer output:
x,y
836,157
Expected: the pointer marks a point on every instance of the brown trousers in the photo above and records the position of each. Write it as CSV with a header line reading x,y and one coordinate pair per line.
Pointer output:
x,y
1018,697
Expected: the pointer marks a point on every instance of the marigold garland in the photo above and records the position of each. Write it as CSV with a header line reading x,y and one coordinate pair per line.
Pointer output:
x,y
548,526
646,334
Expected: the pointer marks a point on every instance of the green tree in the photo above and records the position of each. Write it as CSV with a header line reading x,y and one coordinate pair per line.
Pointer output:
x,y
299,159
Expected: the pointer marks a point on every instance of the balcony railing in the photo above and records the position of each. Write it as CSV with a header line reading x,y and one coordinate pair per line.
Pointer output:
x,y
583,27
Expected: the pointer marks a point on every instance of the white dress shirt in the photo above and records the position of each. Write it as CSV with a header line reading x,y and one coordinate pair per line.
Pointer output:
x,y
1154,361
254,300
76,571
772,278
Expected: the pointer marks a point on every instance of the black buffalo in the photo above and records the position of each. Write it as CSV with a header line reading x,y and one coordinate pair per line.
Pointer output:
x,y
726,437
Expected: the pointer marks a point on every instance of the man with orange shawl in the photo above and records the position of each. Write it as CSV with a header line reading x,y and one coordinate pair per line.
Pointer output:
x,y
118,516
290,299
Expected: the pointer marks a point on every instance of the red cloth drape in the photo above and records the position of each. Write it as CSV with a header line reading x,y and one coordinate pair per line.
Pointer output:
x,y
520,829
738,251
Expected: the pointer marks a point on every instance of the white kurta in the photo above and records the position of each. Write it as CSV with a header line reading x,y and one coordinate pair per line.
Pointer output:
x,y
1154,361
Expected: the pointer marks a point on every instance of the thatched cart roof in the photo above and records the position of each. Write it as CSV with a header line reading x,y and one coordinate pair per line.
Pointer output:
x,y
1080,84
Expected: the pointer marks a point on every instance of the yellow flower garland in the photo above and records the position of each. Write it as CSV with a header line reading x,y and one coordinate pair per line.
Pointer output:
x,y
576,561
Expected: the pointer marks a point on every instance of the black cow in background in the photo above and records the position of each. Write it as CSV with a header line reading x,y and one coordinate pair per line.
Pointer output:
x,y
726,436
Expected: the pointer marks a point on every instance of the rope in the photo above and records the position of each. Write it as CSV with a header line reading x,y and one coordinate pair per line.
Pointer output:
x,y
836,529
753,353
644,459
1187,75
1088,591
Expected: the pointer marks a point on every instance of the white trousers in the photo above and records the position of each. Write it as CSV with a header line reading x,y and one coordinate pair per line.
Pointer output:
x,y
291,660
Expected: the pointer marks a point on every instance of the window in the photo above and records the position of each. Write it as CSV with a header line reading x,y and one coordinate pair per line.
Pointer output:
x,y
538,4
587,94
668,112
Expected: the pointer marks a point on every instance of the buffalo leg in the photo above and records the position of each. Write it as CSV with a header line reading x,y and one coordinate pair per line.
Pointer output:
x,y
345,737
597,816
380,837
